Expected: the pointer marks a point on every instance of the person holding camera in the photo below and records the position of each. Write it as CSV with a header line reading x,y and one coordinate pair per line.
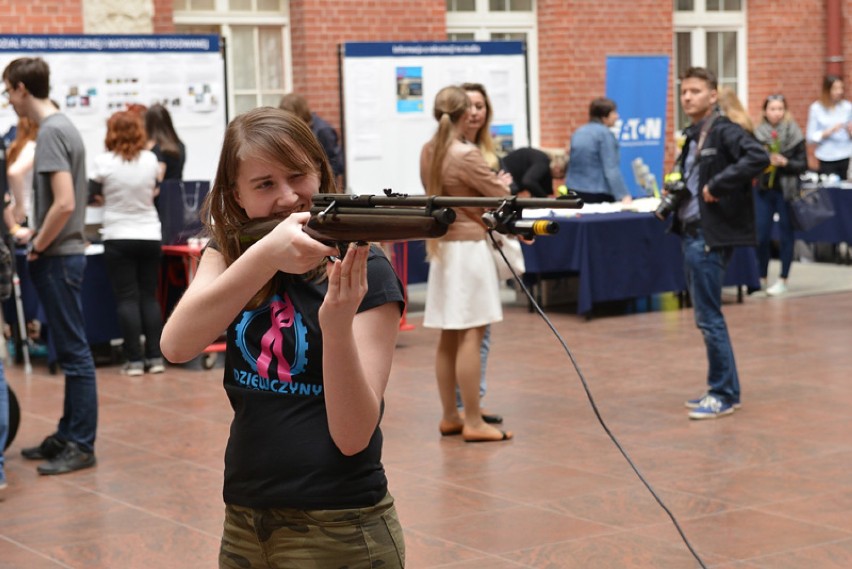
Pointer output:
x,y
719,161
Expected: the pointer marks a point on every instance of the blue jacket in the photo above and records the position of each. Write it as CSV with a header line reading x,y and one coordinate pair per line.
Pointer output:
x,y
594,164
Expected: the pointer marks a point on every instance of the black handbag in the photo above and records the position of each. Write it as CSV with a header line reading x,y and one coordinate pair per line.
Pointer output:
x,y
812,208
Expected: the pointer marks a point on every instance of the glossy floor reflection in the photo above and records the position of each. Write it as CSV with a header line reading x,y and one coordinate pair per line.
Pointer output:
x,y
769,487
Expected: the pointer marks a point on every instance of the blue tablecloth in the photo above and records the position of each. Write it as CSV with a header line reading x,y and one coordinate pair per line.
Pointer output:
x,y
619,256
99,308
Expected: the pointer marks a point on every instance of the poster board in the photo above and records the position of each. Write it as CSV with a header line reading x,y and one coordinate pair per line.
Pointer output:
x,y
388,92
91,77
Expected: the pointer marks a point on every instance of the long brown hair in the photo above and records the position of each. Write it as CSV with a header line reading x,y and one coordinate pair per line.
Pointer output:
x,y
158,124
732,108
450,106
825,95
125,134
26,131
269,134
483,136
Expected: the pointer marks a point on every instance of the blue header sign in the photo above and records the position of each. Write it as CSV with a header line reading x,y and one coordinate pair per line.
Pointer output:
x,y
639,85
109,43
432,49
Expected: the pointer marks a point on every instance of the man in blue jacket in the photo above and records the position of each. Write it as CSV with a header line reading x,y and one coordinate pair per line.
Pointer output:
x,y
594,165
719,161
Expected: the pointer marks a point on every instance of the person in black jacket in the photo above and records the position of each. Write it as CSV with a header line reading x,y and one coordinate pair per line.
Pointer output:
x,y
532,172
719,161
325,133
784,140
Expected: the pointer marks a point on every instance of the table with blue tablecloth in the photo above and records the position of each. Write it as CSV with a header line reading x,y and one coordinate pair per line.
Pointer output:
x,y
619,256
99,309
838,229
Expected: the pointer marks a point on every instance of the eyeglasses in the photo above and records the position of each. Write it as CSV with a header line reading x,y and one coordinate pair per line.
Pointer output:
x,y
776,97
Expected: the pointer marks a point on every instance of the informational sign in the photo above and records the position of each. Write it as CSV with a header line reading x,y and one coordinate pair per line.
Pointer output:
x,y
388,95
91,77
639,85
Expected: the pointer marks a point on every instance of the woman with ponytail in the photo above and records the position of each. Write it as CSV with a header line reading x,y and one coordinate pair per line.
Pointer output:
x,y
463,295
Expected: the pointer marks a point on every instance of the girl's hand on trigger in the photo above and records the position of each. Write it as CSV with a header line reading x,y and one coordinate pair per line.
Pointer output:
x,y
291,250
347,286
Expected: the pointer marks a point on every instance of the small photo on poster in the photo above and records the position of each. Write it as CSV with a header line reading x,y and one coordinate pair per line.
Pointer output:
x,y
504,138
409,89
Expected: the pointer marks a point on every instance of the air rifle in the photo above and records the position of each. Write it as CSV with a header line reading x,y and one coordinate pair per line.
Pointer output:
x,y
344,218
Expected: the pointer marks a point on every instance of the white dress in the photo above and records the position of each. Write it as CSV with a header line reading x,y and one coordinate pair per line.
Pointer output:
x,y
463,290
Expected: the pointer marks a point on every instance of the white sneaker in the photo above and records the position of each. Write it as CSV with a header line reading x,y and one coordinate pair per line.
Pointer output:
x,y
133,369
777,289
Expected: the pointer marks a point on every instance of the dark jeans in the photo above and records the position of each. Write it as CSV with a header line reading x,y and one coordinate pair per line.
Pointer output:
x,y
705,273
133,267
58,281
839,167
4,417
766,204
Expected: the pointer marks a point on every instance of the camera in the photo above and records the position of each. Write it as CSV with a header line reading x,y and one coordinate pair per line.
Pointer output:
x,y
676,193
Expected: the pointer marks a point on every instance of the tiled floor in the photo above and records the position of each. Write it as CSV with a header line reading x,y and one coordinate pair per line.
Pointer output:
x,y
770,487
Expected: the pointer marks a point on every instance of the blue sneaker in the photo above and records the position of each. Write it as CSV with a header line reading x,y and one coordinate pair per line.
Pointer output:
x,y
711,407
696,403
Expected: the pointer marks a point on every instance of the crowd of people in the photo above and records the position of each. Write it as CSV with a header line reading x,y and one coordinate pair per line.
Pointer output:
x,y
311,332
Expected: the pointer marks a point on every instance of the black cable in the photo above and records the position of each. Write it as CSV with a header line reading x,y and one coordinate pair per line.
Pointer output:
x,y
592,401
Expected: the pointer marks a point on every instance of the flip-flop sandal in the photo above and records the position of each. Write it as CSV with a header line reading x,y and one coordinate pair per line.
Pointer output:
x,y
492,418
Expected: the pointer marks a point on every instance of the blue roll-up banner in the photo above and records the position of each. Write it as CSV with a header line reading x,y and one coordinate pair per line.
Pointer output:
x,y
639,85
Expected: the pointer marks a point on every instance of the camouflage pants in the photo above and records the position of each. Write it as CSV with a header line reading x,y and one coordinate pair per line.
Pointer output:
x,y
361,538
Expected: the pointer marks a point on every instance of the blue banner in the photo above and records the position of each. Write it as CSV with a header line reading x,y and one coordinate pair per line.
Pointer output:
x,y
639,85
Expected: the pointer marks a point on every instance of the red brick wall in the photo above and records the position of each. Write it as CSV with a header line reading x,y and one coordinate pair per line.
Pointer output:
x,y
318,26
575,37
164,17
41,17
786,54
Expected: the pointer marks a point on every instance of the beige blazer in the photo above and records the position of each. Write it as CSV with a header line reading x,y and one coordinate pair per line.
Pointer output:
x,y
464,174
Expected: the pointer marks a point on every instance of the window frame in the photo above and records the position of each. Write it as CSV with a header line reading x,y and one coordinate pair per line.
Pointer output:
x,y
224,19
698,23
482,23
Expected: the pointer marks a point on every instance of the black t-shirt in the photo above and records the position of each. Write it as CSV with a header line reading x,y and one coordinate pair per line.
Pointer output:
x,y
280,453
174,164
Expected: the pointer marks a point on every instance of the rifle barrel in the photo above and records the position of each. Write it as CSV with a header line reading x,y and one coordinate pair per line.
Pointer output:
x,y
351,200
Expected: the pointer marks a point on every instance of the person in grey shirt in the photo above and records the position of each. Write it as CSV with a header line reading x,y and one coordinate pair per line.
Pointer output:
x,y
57,261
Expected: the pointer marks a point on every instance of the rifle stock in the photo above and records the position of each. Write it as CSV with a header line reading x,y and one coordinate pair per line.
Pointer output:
x,y
344,218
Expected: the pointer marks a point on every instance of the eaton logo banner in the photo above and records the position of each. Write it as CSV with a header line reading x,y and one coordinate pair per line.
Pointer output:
x,y
639,87
639,131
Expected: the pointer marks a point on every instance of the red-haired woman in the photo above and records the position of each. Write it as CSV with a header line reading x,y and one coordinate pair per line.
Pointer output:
x,y
20,157
126,178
